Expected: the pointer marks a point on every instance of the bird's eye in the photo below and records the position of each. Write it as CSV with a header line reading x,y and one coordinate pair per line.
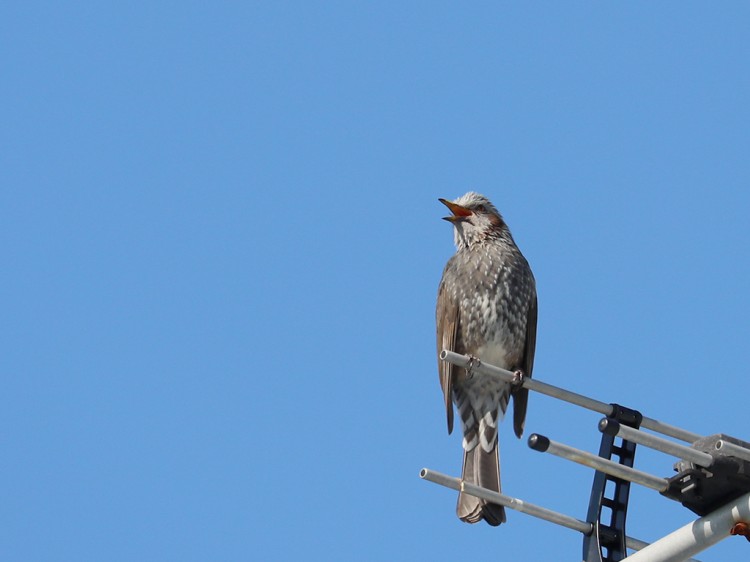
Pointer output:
x,y
482,209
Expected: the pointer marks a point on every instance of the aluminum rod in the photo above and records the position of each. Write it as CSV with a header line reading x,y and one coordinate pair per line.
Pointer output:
x,y
670,430
566,395
734,450
531,384
522,506
635,545
507,501
697,536
545,445
614,428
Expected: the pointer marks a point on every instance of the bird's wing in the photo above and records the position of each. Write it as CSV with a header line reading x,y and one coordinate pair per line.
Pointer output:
x,y
447,328
521,396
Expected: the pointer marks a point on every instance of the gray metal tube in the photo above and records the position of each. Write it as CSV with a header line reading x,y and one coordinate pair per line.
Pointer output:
x,y
697,536
671,430
734,450
635,544
531,384
566,395
543,444
522,506
507,501
612,427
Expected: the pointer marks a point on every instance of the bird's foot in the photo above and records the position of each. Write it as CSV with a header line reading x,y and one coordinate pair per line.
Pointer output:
x,y
473,362
741,529
518,377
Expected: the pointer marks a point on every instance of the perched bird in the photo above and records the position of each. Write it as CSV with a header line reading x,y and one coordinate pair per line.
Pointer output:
x,y
486,308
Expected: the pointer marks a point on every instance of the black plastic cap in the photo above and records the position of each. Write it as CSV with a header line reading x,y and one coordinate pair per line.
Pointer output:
x,y
538,442
608,426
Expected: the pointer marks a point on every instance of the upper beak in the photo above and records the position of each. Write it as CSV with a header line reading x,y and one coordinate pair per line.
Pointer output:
x,y
459,212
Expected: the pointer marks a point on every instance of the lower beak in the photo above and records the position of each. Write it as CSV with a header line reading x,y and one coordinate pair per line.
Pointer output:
x,y
459,212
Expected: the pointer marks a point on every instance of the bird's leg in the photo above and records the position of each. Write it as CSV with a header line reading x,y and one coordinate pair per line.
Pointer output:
x,y
517,381
473,362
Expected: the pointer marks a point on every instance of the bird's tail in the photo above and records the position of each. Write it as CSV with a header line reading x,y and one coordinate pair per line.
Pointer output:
x,y
481,469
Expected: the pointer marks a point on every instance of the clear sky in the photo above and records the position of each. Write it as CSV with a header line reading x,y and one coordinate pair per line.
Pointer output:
x,y
221,246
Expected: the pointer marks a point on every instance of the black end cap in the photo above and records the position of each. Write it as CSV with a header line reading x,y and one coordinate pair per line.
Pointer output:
x,y
538,442
608,426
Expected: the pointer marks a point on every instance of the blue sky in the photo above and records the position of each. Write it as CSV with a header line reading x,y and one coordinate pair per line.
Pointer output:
x,y
222,243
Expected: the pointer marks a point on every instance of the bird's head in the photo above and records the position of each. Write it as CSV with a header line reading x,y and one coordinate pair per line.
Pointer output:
x,y
474,219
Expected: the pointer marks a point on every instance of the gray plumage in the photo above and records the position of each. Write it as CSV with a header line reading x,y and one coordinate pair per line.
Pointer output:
x,y
486,308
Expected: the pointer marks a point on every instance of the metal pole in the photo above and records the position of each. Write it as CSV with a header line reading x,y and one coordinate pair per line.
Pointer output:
x,y
543,444
733,450
507,501
671,430
522,506
635,545
613,427
696,536
562,394
531,384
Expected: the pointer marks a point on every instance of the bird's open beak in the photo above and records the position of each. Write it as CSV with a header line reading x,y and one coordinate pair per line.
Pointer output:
x,y
459,212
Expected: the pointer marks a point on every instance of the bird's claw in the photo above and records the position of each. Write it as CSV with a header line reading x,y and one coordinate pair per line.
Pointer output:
x,y
473,362
742,529
518,377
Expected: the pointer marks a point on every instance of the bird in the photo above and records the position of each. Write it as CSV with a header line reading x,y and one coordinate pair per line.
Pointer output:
x,y
487,309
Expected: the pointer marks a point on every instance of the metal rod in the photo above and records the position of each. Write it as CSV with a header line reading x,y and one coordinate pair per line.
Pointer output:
x,y
562,394
733,450
507,501
635,544
670,430
543,444
522,506
531,384
698,535
615,428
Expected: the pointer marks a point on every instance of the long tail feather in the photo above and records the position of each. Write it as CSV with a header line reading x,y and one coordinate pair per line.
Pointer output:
x,y
482,469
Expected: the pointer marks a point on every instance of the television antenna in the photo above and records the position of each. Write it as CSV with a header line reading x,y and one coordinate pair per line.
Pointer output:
x,y
712,480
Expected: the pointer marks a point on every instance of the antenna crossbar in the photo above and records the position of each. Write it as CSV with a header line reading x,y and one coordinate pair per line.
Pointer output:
x,y
562,394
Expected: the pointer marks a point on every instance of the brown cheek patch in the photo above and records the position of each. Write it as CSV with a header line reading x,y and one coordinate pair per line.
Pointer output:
x,y
496,221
